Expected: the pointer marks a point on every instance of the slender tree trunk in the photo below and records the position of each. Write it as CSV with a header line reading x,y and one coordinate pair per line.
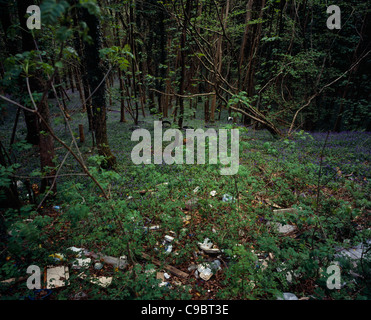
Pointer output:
x,y
245,37
96,72
183,56
36,129
28,45
80,89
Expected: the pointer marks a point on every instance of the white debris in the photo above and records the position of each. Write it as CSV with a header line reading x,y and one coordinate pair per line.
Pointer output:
x,y
282,228
169,238
196,189
208,247
80,263
98,266
166,275
205,273
57,277
186,218
354,253
152,228
78,251
288,296
101,281
163,284
227,198
169,249
206,270
120,263
213,193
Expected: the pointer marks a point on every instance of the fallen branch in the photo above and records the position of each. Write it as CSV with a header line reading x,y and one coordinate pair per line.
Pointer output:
x,y
184,96
169,268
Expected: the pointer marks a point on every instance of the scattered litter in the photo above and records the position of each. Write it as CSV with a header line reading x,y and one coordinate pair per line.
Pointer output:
x,y
215,265
205,270
168,249
152,228
272,204
78,251
101,281
196,189
186,219
98,266
204,273
213,193
160,276
284,229
56,207
57,257
354,253
263,263
169,238
227,198
169,268
57,277
120,263
80,263
163,284
288,296
166,275
208,246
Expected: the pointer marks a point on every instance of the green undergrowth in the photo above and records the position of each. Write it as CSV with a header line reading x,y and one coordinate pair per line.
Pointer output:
x,y
330,201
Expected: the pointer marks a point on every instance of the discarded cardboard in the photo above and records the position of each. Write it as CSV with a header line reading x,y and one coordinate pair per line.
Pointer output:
x,y
57,277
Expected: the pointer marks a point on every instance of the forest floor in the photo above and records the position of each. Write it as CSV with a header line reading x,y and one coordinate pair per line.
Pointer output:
x,y
261,249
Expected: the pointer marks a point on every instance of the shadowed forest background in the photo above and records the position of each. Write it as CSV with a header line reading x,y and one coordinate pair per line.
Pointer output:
x,y
72,93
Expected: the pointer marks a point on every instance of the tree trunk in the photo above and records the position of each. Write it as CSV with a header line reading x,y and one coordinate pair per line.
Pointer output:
x,y
183,56
96,72
245,38
27,45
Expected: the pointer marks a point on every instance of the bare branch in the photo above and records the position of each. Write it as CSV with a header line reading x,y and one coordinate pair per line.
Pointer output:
x,y
323,88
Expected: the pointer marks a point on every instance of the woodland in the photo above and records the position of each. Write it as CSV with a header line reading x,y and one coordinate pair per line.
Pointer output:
x,y
80,221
